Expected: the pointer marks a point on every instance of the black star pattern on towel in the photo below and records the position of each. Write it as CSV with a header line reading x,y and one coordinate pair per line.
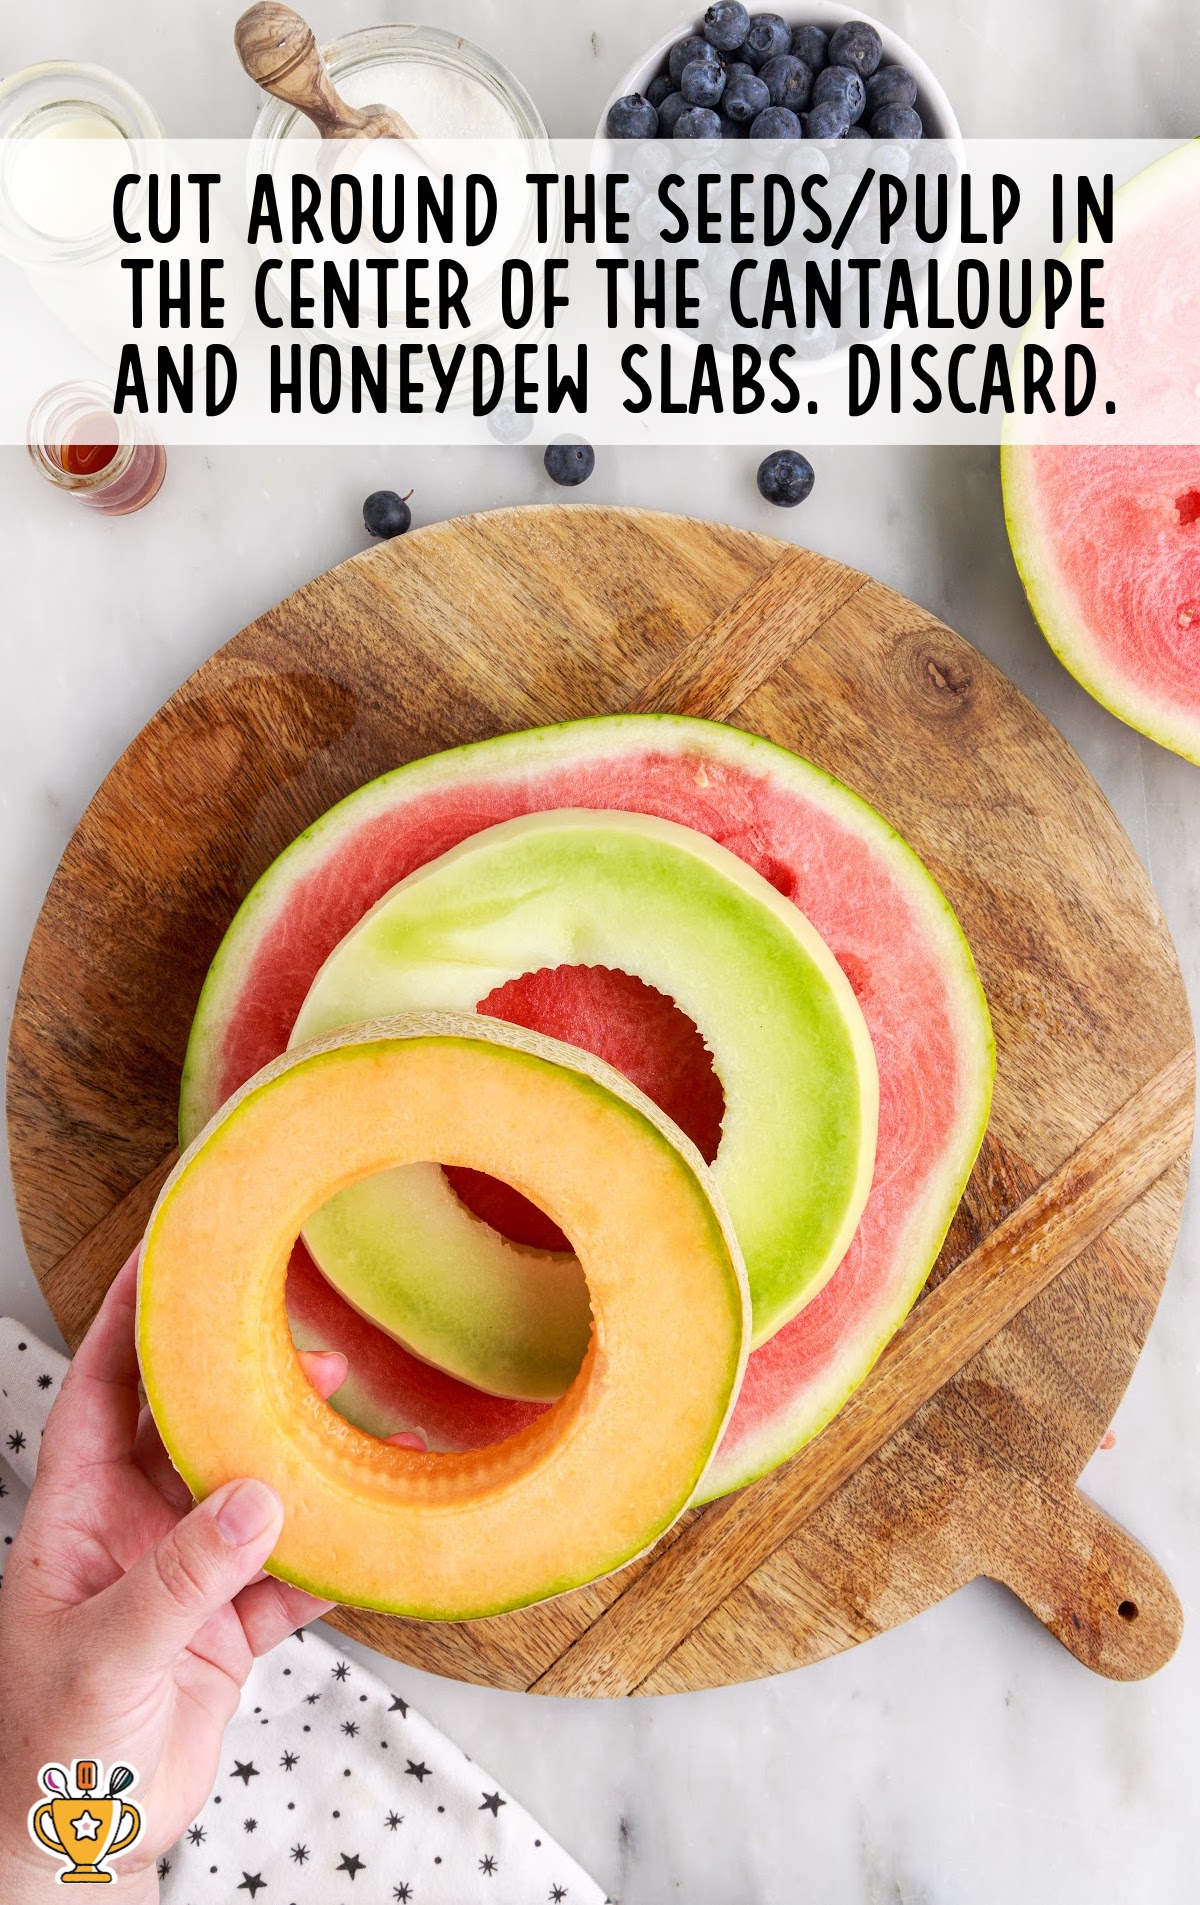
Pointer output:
x,y
44,1381
461,1845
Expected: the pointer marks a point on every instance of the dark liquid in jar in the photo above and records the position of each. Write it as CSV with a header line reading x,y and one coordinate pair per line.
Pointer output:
x,y
91,446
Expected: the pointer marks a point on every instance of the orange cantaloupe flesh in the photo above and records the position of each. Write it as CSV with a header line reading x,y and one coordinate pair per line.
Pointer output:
x,y
576,1494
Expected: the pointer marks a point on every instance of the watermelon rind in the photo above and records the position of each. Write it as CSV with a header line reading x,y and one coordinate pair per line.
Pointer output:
x,y
796,1382
668,904
1079,645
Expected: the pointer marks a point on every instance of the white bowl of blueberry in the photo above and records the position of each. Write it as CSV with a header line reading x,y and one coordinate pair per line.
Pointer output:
x,y
827,72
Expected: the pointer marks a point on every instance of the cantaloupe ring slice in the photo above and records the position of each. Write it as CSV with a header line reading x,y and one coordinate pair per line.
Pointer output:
x,y
579,1492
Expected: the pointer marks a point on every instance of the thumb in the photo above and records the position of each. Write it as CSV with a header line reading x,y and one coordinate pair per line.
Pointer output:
x,y
195,1570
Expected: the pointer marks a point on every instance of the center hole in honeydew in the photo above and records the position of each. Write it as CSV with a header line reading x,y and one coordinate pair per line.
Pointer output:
x,y
640,1032
637,1030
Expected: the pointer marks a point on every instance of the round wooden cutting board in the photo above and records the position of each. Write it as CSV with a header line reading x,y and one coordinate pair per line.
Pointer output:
x,y
959,1455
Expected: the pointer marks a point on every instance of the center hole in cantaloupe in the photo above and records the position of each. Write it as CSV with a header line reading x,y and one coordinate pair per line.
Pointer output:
x,y
637,1030
641,1033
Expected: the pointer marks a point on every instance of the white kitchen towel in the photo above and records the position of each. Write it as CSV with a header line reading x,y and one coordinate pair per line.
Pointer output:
x,y
332,1790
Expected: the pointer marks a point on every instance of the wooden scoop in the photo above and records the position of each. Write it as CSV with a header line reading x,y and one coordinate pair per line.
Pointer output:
x,y
279,51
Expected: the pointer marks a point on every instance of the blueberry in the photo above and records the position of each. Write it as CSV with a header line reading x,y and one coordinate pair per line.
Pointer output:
x,y
746,95
508,425
777,122
826,121
891,86
734,129
785,477
668,114
685,51
857,45
768,36
631,118
569,463
658,89
811,44
702,82
385,514
842,84
698,122
726,25
892,158
896,122
857,132
788,80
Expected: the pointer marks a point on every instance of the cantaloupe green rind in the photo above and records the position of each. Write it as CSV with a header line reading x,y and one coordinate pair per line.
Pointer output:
x,y
788,1040
573,1502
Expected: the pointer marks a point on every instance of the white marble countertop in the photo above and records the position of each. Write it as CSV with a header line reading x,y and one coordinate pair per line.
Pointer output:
x,y
964,1757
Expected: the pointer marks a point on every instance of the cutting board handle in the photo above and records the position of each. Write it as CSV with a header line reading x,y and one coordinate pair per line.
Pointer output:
x,y
1090,1583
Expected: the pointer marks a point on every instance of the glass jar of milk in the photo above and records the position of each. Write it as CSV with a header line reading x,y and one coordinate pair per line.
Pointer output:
x,y
450,92
60,214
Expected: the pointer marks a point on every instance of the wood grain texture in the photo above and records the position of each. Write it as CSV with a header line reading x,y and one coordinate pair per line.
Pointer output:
x,y
278,50
959,1456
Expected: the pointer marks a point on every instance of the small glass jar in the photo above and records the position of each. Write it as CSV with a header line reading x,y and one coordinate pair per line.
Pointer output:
x,y
353,56
53,105
109,462
480,99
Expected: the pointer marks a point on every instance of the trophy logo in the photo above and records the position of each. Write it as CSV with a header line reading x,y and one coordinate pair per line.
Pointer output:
x,y
82,1825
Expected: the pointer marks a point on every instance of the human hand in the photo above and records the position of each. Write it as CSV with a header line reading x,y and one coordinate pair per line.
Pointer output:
x,y
130,1619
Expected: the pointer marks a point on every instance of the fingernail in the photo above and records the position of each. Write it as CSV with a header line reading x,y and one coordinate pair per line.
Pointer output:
x,y
247,1512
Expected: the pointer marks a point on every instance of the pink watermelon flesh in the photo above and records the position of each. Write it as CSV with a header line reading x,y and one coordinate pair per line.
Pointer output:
x,y
1107,536
867,894
1107,539
387,1390
638,1031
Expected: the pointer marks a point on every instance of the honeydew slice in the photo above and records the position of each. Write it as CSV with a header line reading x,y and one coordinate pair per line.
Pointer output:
x,y
589,1484
663,902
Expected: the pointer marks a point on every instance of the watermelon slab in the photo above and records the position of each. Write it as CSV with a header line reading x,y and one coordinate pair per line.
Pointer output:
x,y
1107,536
789,1044
887,923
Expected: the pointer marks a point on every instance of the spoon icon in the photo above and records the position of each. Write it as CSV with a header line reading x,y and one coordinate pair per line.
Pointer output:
x,y
54,1779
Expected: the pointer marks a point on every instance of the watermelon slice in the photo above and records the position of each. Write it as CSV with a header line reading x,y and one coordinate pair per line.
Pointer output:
x,y
1107,536
862,887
